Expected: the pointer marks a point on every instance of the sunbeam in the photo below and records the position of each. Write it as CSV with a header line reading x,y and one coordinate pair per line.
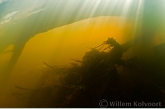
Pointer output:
x,y
74,53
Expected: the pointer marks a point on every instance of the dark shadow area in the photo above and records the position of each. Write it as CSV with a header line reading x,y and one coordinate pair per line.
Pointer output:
x,y
101,75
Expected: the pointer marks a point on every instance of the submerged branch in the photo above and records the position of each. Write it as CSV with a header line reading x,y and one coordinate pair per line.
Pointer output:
x,y
22,88
47,65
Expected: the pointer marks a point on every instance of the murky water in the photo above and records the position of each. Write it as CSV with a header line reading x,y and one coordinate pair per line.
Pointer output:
x,y
41,41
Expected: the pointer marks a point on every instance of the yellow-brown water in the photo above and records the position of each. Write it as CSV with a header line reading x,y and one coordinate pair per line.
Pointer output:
x,y
59,53
56,47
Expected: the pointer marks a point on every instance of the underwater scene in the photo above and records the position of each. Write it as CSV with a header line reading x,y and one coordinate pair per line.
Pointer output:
x,y
82,53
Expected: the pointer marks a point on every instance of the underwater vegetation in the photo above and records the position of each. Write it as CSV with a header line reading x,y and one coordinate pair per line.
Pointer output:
x,y
101,74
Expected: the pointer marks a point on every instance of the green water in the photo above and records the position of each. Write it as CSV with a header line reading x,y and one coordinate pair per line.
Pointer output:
x,y
50,54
